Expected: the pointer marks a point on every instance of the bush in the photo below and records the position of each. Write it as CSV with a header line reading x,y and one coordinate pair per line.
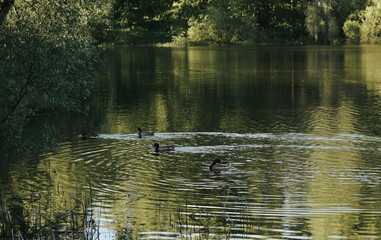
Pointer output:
x,y
223,24
352,31
371,26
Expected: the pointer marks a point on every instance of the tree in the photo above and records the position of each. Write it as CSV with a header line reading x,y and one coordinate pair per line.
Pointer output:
x,y
184,10
325,19
47,62
371,25
225,22
146,14
364,25
351,30
287,21
264,10
320,21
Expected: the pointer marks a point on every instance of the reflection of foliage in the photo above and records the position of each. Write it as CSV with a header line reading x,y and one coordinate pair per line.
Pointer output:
x,y
47,62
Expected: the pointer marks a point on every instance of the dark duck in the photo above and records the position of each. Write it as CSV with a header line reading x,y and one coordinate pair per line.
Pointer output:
x,y
141,134
218,166
163,148
86,135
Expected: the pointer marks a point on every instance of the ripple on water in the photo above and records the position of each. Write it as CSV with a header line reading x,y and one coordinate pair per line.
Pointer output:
x,y
274,178
236,141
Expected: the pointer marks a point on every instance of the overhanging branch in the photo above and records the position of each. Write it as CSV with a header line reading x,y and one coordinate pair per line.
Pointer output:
x,y
22,93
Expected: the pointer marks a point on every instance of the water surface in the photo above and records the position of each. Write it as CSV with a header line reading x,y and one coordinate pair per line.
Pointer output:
x,y
299,125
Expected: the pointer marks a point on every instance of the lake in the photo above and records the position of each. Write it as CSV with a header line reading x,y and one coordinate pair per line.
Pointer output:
x,y
300,126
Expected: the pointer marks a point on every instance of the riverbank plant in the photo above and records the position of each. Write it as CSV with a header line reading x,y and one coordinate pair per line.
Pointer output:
x,y
47,61
31,216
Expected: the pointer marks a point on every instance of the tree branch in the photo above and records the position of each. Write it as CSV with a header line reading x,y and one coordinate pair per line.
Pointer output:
x,y
22,93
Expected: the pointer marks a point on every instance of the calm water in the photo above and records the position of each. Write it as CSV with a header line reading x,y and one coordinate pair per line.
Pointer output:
x,y
300,126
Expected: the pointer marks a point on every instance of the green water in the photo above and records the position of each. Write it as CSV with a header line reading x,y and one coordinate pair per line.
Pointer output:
x,y
299,125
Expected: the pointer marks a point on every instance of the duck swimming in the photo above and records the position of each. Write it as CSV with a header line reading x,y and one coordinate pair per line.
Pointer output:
x,y
163,148
86,135
218,166
141,134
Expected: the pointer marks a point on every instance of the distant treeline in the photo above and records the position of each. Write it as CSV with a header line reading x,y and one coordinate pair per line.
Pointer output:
x,y
203,22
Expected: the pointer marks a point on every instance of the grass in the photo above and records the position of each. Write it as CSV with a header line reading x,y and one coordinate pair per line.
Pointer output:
x,y
28,217
194,222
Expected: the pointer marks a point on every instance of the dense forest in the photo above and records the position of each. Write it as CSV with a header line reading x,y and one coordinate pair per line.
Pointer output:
x,y
200,22
49,55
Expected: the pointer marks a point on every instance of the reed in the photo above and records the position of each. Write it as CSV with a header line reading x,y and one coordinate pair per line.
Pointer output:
x,y
195,221
27,217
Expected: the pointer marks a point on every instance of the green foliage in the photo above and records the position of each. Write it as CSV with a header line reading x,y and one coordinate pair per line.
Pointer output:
x,y
245,21
99,21
47,62
200,31
365,25
321,22
352,28
146,14
228,22
371,26
280,21
184,10
139,36
325,19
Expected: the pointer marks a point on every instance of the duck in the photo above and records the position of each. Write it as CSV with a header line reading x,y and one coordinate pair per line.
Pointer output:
x,y
141,134
218,166
86,135
163,148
